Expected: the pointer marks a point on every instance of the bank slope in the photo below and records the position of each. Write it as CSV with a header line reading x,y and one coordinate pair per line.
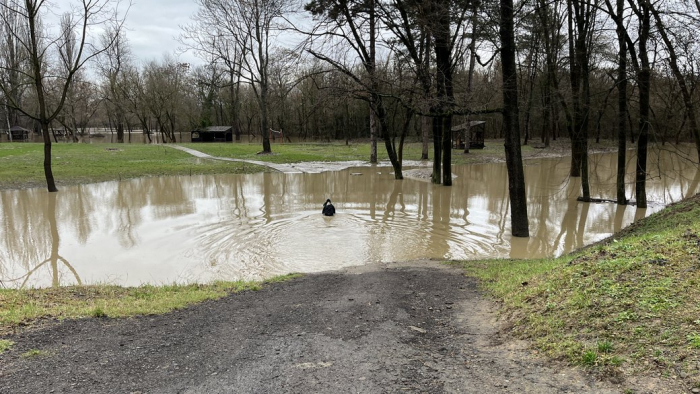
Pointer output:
x,y
626,306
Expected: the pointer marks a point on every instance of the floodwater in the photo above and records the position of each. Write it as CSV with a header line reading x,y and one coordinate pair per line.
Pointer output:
x,y
203,228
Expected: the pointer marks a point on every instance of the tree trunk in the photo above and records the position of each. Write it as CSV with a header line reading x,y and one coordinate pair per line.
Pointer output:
x,y
425,132
580,16
48,173
373,137
120,130
443,65
621,108
372,69
437,150
514,163
644,77
547,127
264,126
384,128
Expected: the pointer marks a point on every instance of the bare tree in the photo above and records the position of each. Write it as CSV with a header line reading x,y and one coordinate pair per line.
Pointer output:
x,y
673,63
165,89
53,60
218,46
343,28
13,59
244,30
111,64
621,107
581,22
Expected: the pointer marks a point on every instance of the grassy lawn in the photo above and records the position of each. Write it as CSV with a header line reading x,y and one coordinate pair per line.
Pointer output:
x,y
338,151
300,152
23,307
21,164
359,150
627,305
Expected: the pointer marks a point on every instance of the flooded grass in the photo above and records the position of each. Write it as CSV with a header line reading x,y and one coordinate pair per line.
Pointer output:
x,y
626,305
21,165
23,307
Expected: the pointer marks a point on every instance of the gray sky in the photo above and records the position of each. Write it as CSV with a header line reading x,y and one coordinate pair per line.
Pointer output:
x,y
152,28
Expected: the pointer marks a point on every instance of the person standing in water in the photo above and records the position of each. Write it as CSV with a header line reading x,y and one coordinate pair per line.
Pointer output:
x,y
328,208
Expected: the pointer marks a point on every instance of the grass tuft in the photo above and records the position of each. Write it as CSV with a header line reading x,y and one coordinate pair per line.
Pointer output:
x,y
605,347
5,345
98,312
34,353
588,359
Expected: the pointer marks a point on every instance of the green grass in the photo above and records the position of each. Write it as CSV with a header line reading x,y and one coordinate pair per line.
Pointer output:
x,y
34,353
22,307
298,152
21,164
5,345
629,304
337,151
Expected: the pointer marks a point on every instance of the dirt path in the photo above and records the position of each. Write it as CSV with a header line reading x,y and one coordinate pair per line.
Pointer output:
x,y
286,168
416,327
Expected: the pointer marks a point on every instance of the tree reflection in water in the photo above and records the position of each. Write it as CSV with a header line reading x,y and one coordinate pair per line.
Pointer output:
x,y
52,262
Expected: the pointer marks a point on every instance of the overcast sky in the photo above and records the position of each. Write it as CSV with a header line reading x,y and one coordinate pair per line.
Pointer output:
x,y
152,28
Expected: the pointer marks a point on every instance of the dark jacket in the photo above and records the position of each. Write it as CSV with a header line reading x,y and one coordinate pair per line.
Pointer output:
x,y
328,209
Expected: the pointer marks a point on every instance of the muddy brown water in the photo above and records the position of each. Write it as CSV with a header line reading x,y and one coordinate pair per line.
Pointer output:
x,y
203,228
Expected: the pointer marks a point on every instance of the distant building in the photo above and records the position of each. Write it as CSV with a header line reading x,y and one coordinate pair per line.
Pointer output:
x,y
213,134
476,130
19,133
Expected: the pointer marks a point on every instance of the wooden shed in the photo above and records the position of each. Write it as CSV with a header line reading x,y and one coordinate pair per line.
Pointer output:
x,y
213,134
19,133
475,128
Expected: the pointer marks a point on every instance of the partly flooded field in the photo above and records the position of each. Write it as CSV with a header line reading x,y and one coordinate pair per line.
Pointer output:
x,y
203,228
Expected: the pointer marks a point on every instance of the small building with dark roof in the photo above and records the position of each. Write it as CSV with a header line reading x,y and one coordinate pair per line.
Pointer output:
x,y
475,128
19,133
213,134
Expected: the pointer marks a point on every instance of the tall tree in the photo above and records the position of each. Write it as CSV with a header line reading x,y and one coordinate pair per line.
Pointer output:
x,y
247,30
112,63
71,45
511,126
352,25
12,58
686,93
621,106
581,22
442,123
643,12
219,46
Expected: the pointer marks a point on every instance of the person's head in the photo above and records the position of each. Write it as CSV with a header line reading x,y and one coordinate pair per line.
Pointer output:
x,y
328,201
